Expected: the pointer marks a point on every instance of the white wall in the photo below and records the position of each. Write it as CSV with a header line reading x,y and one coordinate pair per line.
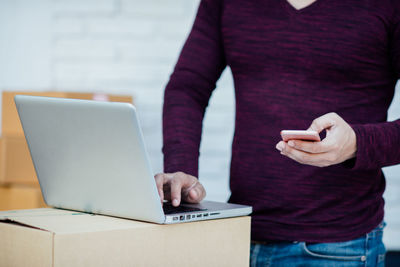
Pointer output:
x,y
129,47
24,44
114,46
392,194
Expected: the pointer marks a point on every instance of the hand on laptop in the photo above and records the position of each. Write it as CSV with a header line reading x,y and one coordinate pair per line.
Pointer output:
x,y
179,186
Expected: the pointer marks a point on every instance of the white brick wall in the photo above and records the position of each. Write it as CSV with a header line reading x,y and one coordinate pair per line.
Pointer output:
x,y
130,47
84,8
24,44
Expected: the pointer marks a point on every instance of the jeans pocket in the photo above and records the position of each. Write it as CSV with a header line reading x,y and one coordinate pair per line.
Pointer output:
x,y
377,232
344,251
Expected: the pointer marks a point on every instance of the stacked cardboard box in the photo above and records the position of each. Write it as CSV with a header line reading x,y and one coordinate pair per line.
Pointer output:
x,y
20,196
56,238
19,188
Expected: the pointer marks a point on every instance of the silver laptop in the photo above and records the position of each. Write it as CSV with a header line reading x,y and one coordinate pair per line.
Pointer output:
x,y
90,156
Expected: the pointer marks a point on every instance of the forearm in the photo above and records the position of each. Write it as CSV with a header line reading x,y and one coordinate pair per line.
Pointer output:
x,y
182,126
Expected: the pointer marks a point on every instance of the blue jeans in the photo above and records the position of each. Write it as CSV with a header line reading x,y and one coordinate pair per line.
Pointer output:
x,y
367,250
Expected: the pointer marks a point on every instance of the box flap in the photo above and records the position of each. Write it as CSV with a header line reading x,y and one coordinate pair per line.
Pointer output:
x,y
22,246
65,222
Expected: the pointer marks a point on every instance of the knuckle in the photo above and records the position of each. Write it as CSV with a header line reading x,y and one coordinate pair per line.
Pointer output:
x,y
175,182
178,173
159,180
336,116
194,178
181,175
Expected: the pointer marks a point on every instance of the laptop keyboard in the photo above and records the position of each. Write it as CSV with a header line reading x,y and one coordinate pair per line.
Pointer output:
x,y
169,209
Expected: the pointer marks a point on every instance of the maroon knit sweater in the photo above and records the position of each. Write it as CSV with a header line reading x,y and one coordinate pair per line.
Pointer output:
x,y
290,67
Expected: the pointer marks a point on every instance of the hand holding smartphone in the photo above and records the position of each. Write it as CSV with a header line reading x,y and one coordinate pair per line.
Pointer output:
x,y
300,135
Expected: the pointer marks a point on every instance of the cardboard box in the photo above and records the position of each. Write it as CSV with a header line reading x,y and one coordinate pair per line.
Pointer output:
x,y
11,125
53,237
20,197
15,162
16,165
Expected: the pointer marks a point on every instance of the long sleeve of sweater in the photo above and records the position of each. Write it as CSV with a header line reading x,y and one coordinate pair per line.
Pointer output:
x,y
188,91
378,144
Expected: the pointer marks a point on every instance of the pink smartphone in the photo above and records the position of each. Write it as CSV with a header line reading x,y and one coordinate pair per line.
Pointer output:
x,y
300,135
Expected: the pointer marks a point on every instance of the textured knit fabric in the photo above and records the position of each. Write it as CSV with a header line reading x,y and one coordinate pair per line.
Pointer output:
x,y
290,67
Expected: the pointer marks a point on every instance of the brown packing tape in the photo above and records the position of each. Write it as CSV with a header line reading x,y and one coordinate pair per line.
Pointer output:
x,y
20,197
119,98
